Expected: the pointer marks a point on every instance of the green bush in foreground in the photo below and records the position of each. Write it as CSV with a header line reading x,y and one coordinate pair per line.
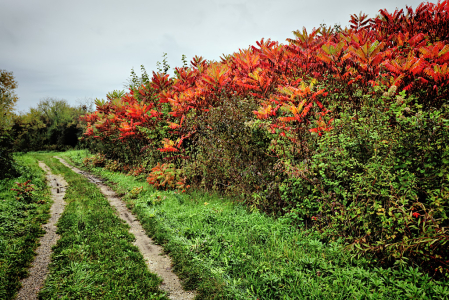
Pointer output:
x,y
380,181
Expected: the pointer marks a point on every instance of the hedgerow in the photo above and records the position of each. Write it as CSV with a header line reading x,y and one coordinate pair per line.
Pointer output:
x,y
340,129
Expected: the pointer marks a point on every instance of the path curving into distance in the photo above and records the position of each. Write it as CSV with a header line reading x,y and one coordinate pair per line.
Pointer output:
x,y
39,267
156,261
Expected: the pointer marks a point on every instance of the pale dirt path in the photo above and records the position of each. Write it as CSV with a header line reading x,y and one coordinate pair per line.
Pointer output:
x,y
39,268
156,261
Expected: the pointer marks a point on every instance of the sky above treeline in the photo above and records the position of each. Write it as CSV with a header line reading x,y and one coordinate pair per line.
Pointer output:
x,y
81,50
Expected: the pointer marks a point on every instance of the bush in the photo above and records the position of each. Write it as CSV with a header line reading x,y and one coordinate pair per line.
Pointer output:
x,y
227,153
379,180
166,176
306,128
98,160
24,191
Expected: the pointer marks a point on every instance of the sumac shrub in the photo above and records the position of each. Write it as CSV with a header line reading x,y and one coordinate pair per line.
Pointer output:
x,y
98,160
380,181
318,128
166,176
112,165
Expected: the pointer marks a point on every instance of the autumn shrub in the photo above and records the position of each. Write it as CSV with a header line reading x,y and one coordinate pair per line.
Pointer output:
x,y
137,171
167,176
98,160
112,165
109,132
341,129
380,181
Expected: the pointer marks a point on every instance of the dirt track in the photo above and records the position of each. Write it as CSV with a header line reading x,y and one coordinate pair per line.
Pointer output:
x,y
39,268
156,261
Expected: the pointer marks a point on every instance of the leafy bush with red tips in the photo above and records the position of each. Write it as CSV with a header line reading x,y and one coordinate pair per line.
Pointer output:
x,y
24,191
166,176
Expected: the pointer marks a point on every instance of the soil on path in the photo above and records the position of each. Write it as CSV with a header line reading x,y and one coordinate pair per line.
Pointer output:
x,y
156,261
39,268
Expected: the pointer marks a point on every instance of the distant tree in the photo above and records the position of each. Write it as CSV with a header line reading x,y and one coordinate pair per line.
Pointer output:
x,y
7,101
53,125
7,97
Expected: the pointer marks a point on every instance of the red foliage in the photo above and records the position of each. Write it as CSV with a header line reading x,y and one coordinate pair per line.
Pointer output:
x,y
408,49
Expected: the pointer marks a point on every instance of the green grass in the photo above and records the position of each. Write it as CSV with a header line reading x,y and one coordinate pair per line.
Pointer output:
x,y
94,258
20,224
226,252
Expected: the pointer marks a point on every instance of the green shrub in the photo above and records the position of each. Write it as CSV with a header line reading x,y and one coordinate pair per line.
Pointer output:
x,y
380,181
226,153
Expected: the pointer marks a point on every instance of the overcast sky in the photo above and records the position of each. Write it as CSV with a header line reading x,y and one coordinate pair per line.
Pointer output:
x,y
76,50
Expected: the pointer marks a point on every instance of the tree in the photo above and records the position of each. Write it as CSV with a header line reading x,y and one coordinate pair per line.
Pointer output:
x,y
53,125
7,101
7,98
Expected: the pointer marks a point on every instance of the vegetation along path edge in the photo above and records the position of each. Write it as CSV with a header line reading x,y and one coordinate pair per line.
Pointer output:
x,y
39,268
156,262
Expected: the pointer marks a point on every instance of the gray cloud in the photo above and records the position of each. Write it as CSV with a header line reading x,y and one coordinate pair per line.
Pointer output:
x,y
79,49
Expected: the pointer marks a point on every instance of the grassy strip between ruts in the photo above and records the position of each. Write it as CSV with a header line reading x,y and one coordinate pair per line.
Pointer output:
x,y
94,258
20,224
226,252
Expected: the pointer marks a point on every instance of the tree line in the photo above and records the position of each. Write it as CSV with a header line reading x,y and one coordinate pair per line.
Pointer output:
x,y
52,125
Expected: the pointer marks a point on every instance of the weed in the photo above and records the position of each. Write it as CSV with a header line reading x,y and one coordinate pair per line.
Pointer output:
x,y
24,191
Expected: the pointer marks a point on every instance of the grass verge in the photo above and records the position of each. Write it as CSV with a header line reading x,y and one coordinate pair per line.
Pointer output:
x,y
225,252
20,224
94,258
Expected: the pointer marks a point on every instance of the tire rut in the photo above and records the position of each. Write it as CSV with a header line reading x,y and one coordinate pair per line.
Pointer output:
x,y
156,261
39,267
